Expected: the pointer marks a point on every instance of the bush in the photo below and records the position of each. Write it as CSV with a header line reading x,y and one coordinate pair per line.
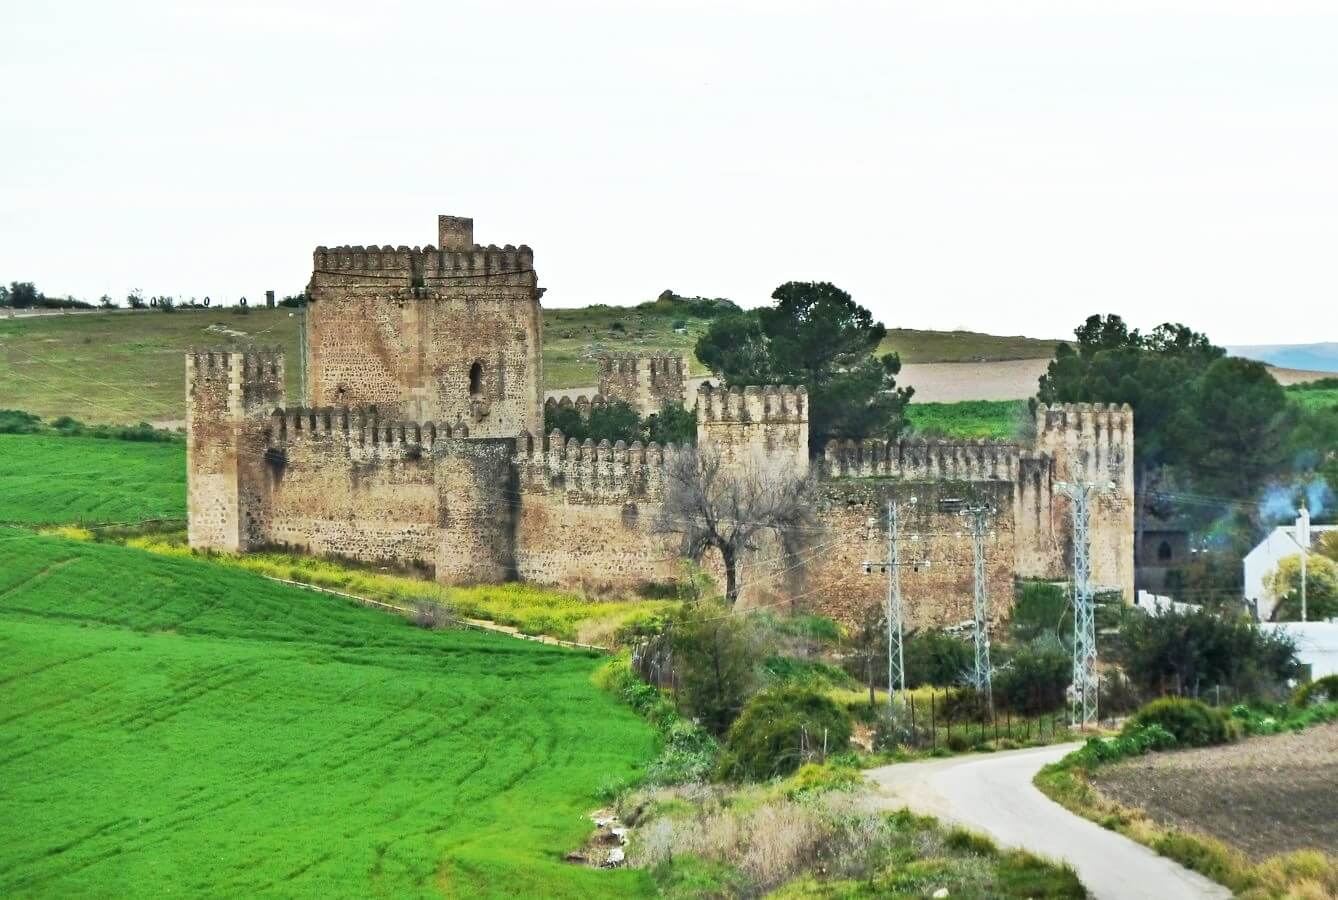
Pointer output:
x,y
1036,678
688,752
1041,608
1321,690
933,657
716,656
16,421
1190,722
780,730
1134,741
1182,652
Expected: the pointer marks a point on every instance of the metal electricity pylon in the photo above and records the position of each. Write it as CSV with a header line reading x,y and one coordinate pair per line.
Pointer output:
x,y
977,517
1085,682
896,659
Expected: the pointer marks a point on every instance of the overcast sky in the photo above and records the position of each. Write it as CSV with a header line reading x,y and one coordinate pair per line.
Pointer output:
x,y
1001,166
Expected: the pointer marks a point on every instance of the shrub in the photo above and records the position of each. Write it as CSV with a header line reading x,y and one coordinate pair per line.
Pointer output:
x,y
781,729
1040,608
715,659
16,421
812,779
933,657
969,842
1183,651
431,616
1192,723
688,755
1035,679
1321,690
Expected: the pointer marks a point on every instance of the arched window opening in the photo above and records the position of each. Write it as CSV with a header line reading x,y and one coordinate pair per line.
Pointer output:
x,y
1164,551
476,380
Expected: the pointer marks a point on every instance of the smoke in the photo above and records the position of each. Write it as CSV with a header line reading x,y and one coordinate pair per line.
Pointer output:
x,y
1282,503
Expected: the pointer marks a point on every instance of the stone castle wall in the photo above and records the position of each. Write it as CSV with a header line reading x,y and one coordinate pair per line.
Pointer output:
x,y
762,429
588,513
644,381
934,549
448,335
223,389
425,446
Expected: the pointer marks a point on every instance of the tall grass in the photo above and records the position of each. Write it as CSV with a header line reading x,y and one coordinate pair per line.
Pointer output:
x,y
530,608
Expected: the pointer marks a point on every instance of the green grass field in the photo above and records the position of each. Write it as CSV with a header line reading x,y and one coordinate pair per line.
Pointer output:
x,y
1320,395
129,367
971,419
168,726
48,480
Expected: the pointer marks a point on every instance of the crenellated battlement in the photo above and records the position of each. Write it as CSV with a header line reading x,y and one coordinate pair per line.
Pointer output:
x,y
430,261
923,460
356,426
250,363
583,405
595,472
1084,417
229,385
646,381
753,404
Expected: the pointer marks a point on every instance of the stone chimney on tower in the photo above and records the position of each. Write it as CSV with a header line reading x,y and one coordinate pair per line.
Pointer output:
x,y
454,233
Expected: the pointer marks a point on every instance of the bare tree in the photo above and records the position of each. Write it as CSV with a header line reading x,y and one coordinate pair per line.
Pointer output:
x,y
726,508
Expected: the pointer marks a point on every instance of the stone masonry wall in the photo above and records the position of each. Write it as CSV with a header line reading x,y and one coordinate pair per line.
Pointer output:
x,y
1091,443
344,483
763,429
934,595
447,335
645,382
223,389
588,513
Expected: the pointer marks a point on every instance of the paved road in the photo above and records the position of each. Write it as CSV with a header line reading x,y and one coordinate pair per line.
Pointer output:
x,y
993,793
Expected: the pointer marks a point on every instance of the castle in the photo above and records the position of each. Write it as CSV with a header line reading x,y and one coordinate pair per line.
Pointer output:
x,y
424,445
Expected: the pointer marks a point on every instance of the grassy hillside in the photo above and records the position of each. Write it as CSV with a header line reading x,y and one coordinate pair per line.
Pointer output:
x,y
173,727
128,367
48,480
963,346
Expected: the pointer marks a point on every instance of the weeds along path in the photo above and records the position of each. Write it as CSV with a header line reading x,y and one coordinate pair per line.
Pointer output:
x,y
993,793
168,726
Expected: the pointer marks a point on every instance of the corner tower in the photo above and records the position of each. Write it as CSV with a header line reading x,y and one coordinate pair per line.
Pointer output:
x,y
449,333
227,394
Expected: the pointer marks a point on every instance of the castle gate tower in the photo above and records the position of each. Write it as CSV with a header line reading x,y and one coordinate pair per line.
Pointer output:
x,y
451,333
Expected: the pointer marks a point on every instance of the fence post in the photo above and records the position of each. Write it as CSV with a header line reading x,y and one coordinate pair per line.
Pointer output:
x,y
933,722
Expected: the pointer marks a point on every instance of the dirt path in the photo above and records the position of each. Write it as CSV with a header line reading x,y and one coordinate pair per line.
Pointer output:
x,y
1263,796
993,793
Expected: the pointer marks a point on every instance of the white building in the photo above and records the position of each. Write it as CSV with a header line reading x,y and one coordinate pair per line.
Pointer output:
x,y
1263,561
1316,644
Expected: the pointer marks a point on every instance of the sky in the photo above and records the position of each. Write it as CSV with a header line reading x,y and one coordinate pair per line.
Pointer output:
x,y
1000,167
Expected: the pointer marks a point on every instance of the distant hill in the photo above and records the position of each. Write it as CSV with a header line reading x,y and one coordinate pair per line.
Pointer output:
x,y
126,366
1311,357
